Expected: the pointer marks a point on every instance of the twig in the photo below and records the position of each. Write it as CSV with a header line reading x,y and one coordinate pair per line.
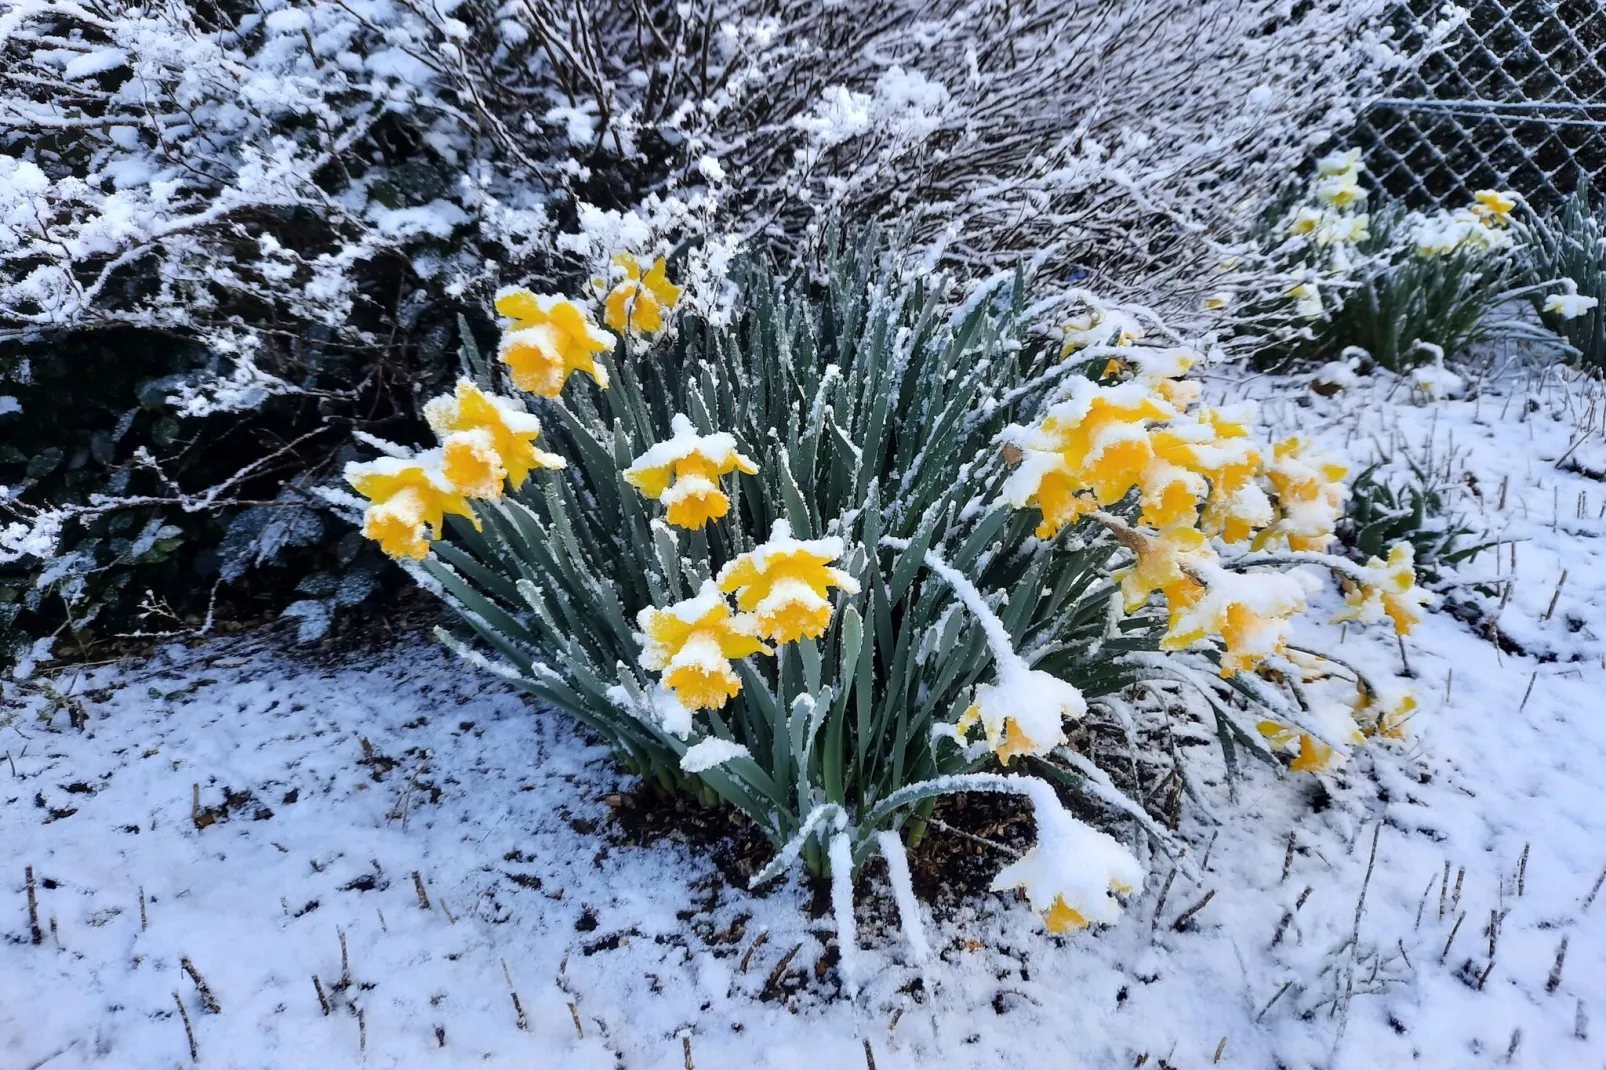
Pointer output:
x,y
1522,870
521,1019
33,911
447,910
1554,597
1219,1049
1590,898
144,923
1159,905
1187,915
1484,976
1453,930
1524,704
418,886
323,1000
1288,859
189,1031
685,1051
1555,971
574,1012
209,1002
774,980
1286,986
345,962
758,942
362,1027
869,1054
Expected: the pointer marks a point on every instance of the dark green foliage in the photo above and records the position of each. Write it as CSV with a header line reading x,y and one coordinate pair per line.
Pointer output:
x,y
1571,244
1383,511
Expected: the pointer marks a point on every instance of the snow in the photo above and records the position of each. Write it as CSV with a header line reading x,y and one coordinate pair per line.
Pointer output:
x,y
1309,952
710,753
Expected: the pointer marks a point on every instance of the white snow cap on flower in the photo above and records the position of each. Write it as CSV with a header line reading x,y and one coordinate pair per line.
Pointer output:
x,y
709,753
1036,702
684,441
1072,867
429,460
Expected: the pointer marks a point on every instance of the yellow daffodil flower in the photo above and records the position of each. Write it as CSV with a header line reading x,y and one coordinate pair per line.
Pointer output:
x,y
410,497
784,583
1493,207
549,339
683,472
638,303
1389,590
502,424
692,644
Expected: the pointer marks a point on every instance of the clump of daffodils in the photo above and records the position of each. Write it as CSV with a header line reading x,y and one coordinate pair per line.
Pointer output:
x,y
1198,483
683,472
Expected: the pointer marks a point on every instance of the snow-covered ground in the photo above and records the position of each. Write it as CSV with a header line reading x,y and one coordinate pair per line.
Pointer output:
x,y
1410,909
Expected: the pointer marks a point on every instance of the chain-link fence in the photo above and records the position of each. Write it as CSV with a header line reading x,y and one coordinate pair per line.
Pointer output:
x,y
1515,99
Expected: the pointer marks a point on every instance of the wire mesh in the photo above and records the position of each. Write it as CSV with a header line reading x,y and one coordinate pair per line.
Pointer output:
x,y
1515,99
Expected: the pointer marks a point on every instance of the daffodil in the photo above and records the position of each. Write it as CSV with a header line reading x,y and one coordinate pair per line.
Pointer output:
x,y
1493,207
1307,300
638,303
1162,565
1310,496
692,644
784,583
549,338
1073,873
1022,712
1101,326
683,472
1569,306
1385,713
410,497
1251,613
1387,589
1314,756
489,428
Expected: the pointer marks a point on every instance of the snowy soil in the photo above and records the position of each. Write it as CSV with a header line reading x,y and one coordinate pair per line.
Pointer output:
x,y
537,935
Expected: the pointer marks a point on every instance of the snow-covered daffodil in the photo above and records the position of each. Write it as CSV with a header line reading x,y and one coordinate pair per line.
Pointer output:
x,y
692,644
409,499
683,472
638,302
483,430
784,583
549,339
1388,589
1073,873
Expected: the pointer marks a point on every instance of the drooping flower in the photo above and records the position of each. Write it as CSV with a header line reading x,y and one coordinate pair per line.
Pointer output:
x,y
1022,712
410,497
1251,612
1307,300
1310,496
481,422
1493,207
1073,873
1571,305
692,644
1385,712
548,340
784,583
683,472
638,303
1388,589
1162,565
1314,756
1101,326
1339,178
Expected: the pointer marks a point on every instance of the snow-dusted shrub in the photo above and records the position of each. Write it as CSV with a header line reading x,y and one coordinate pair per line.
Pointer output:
x,y
838,556
1570,244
